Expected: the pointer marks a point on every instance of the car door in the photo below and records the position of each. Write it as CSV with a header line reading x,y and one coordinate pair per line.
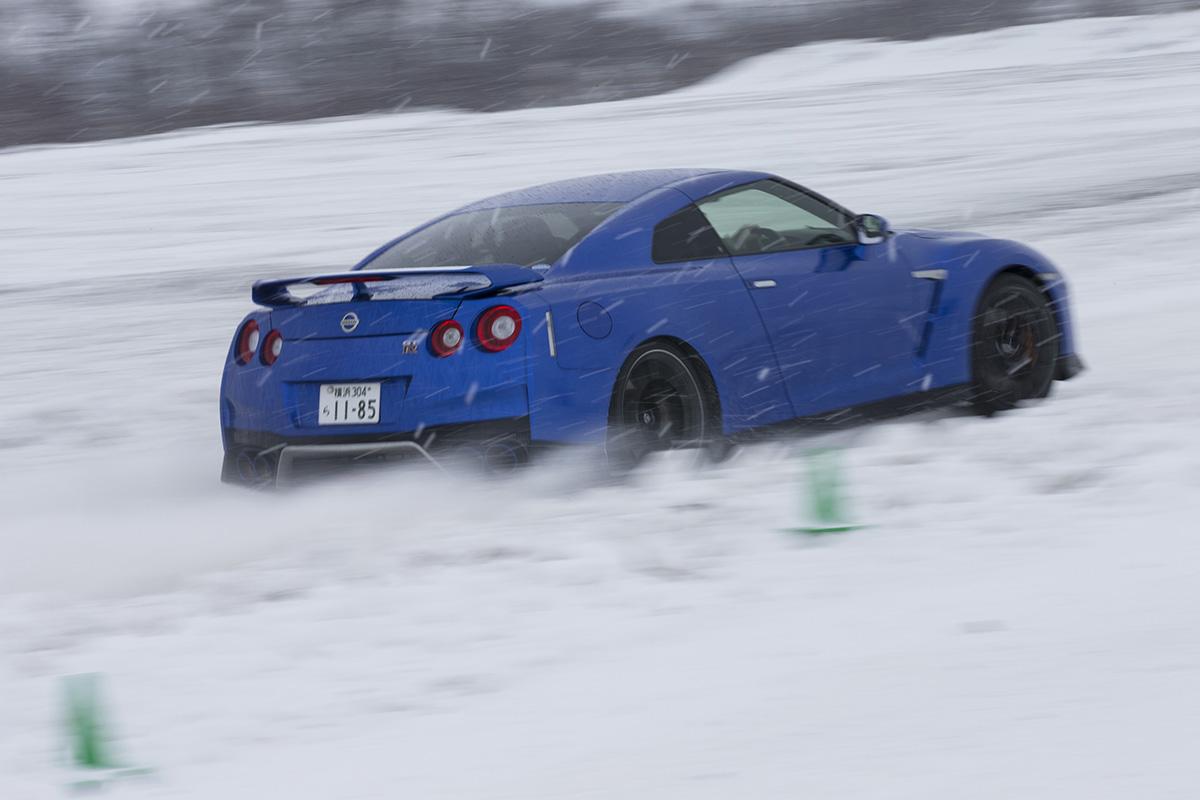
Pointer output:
x,y
844,318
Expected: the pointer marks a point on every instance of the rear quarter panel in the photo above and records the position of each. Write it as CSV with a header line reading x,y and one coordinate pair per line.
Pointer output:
x,y
607,297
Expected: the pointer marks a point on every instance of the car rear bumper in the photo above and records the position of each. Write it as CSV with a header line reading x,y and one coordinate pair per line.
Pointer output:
x,y
263,458
1068,367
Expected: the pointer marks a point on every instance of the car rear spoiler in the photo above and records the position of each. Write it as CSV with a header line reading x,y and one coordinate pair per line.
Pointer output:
x,y
499,276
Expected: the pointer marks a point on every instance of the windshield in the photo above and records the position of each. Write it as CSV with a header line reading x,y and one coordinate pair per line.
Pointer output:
x,y
525,235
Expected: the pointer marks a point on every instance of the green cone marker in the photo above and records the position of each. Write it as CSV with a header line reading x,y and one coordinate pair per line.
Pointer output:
x,y
88,736
826,507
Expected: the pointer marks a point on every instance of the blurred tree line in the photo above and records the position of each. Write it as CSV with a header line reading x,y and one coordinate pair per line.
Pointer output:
x,y
72,71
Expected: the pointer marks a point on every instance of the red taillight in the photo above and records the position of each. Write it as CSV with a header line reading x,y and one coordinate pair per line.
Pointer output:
x,y
498,328
247,342
446,338
272,347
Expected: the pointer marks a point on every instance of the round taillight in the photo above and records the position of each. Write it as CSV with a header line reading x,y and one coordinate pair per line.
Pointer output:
x,y
272,347
498,328
446,338
247,342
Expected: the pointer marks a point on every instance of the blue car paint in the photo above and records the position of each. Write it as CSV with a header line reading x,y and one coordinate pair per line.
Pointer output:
x,y
973,261
418,389
844,325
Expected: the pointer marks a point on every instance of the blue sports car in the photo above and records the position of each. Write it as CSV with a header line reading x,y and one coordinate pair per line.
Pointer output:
x,y
635,311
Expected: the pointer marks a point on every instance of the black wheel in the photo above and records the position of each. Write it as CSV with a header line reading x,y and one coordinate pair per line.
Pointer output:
x,y
1015,345
663,400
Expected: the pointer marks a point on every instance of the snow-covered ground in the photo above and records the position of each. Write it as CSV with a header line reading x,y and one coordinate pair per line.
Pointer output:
x,y
1018,621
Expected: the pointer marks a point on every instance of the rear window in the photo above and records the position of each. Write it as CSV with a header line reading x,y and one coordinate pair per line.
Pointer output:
x,y
525,235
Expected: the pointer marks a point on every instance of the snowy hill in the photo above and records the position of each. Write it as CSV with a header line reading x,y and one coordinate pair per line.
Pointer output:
x,y
85,70
1018,621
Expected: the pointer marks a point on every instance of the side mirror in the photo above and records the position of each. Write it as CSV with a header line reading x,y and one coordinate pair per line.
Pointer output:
x,y
871,228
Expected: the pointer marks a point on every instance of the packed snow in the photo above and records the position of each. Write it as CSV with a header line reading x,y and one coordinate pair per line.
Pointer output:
x,y
1018,620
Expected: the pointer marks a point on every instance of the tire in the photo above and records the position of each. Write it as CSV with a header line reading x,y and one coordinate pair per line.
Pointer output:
x,y
663,400
1014,347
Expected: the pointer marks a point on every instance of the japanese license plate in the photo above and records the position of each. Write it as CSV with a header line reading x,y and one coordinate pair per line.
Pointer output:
x,y
348,404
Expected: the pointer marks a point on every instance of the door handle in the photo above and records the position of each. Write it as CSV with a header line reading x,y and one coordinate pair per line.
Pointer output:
x,y
767,284
931,274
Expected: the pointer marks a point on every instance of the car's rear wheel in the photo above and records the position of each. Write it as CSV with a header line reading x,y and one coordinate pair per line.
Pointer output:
x,y
663,400
1015,345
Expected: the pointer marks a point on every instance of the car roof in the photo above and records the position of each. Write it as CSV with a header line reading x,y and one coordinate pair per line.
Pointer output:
x,y
611,187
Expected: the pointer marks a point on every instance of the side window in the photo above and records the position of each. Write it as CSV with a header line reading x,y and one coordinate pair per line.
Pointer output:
x,y
767,216
685,236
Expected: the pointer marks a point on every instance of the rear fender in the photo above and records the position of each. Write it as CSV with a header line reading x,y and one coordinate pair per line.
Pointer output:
x,y
597,324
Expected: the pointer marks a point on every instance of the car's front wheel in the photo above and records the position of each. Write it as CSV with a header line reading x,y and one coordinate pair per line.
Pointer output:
x,y
663,400
1015,345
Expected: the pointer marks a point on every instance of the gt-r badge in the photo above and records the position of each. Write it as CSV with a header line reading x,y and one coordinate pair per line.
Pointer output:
x,y
410,346
349,322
